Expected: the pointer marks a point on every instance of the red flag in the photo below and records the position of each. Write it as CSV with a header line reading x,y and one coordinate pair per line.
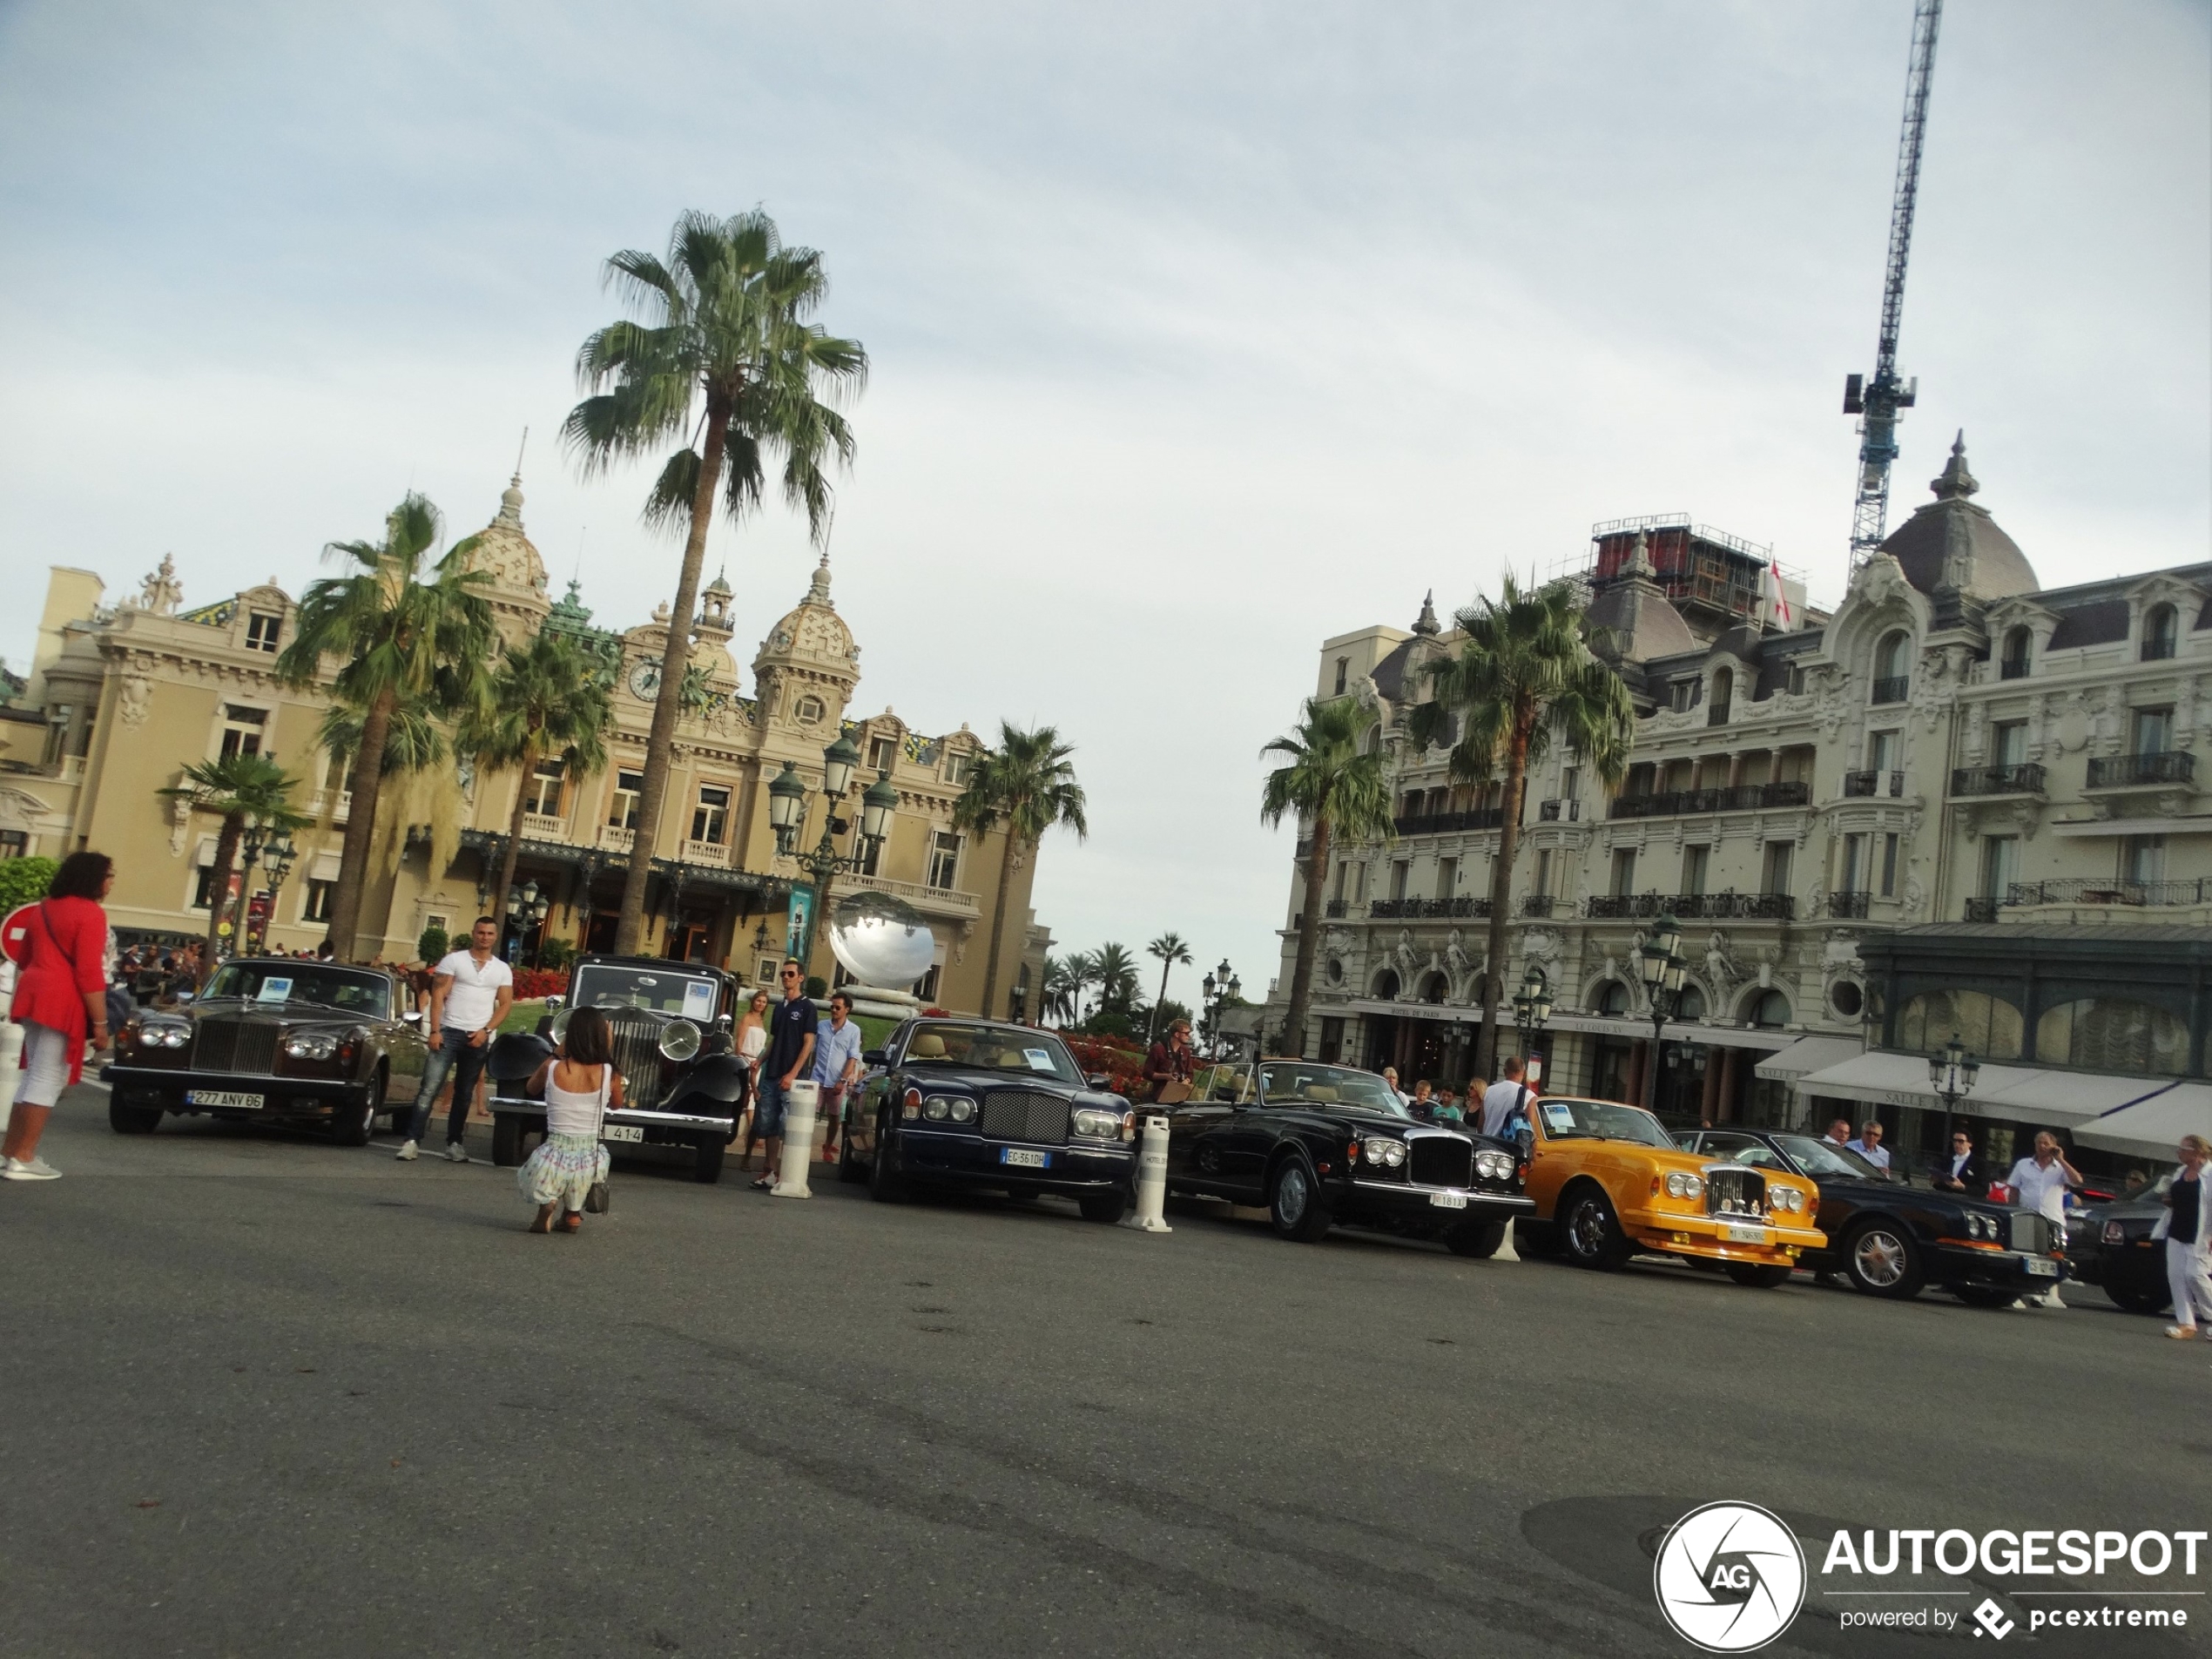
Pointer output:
x,y
1781,602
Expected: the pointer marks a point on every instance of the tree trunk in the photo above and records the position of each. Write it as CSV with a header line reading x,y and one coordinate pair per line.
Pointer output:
x,y
1152,1030
514,838
1309,937
1486,1053
360,828
218,889
998,929
630,926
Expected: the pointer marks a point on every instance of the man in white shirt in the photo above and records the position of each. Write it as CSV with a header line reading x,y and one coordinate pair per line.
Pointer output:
x,y
1869,1146
1839,1132
1503,1097
469,996
2040,1184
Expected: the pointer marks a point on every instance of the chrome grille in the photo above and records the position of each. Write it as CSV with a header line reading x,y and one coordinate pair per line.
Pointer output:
x,y
636,1057
2031,1232
1023,1115
235,1045
1734,1191
1439,1161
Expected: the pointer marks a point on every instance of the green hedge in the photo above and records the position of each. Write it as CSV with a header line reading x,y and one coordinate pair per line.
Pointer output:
x,y
23,880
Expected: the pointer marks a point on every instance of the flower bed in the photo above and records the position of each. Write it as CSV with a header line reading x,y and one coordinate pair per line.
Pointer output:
x,y
531,983
1122,1060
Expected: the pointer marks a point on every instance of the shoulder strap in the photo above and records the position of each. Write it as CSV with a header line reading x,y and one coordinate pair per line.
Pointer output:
x,y
45,921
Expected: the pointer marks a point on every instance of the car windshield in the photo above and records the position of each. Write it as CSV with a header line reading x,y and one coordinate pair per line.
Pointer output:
x,y
605,985
1818,1157
1601,1120
1222,1082
305,987
1735,1149
992,1049
1285,1082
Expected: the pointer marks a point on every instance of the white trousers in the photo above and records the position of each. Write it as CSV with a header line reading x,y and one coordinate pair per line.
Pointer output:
x,y
2188,1274
46,1065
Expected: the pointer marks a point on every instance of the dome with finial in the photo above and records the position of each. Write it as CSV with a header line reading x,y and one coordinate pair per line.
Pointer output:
x,y
501,551
1633,619
1951,542
1425,624
814,636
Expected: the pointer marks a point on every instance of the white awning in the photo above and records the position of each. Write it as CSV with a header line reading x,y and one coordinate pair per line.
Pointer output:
x,y
2004,1092
325,868
2149,1127
204,857
2104,828
1716,1036
1809,1053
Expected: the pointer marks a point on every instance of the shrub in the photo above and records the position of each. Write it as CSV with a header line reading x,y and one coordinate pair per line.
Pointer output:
x,y
531,983
1121,1060
817,987
23,880
556,955
433,946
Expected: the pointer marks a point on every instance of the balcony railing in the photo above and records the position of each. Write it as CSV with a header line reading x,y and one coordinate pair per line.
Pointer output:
x,y
2095,890
338,804
1335,908
1743,797
1895,689
2013,668
1543,904
615,838
2158,648
1466,906
1692,907
544,827
1981,910
1558,812
2134,772
709,852
1871,783
1487,817
1848,907
2024,779
936,901
1719,715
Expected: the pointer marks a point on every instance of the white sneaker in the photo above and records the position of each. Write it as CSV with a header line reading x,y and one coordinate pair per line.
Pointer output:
x,y
407,1153
34,1170
456,1153
2053,1300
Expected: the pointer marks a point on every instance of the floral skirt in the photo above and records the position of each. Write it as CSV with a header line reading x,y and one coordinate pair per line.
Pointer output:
x,y
562,1170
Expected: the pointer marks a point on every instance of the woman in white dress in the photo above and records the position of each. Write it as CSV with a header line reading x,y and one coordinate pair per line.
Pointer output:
x,y
752,1043
580,1084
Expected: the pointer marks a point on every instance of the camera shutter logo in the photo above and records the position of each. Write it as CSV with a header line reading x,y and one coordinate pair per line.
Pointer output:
x,y
1730,1577
1992,1618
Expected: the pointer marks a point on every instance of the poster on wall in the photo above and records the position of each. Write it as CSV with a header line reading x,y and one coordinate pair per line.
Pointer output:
x,y
798,931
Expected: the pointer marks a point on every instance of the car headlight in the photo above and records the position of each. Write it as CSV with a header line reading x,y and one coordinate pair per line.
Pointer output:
x,y
2114,1233
1096,1122
1492,1166
937,1108
163,1036
311,1045
963,1111
679,1041
1675,1188
1394,1154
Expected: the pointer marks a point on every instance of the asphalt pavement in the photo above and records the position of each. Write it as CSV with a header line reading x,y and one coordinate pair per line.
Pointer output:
x,y
265,1396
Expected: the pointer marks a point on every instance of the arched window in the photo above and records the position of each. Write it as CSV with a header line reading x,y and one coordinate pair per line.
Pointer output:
x,y
1989,1026
2012,666
1690,1005
2113,1034
1612,997
1433,987
2159,628
1893,668
1769,1010
1386,986
1724,692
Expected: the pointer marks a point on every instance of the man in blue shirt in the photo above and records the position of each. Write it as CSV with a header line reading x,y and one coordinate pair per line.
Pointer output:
x,y
837,1065
791,1051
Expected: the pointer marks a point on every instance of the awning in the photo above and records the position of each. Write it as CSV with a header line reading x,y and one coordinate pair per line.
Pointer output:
x,y
2104,828
1809,1053
325,868
1719,1036
2066,1098
2149,1127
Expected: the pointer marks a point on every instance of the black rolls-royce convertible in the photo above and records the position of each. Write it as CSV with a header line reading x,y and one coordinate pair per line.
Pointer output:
x,y
1890,1240
1326,1145
972,1103
273,1039
682,1087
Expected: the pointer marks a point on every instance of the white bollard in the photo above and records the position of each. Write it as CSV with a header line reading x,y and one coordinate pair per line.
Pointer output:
x,y
1506,1252
11,1067
1152,1178
801,1102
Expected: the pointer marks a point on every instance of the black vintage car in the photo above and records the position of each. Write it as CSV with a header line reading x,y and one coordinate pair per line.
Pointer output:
x,y
2109,1244
1890,1240
1324,1145
973,1103
682,1087
273,1040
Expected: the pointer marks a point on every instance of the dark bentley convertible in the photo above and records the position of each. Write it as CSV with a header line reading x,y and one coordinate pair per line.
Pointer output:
x,y
2112,1247
682,1087
1326,1145
273,1040
972,1103
1890,1240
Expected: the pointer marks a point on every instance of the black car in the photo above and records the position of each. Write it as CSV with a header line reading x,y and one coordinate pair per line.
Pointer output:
x,y
273,1039
1890,1240
977,1105
683,1087
1325,1146
2109,1244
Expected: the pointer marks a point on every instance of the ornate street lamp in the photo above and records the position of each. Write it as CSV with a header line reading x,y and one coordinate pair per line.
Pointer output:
x,y
251,839
279,856
1532,1008
787,816
527,908
1952,1075
1219,989
1662,969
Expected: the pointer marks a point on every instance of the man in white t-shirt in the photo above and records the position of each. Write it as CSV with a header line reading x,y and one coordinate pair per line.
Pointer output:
x,y
469,996
2040,1184
1502,1097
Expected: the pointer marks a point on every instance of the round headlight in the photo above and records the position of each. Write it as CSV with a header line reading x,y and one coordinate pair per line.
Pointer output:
x,y
963,1111
560,1026
1674,1184
175,1036
1393,1153
936,1108
1374,1151
2114,1233
679,1040
311,1045
1693,1186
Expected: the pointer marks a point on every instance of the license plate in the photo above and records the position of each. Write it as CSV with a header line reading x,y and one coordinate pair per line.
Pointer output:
x,y
1736,1234
1448,1200
1022,1158
623,1132
2041,1267
224,1097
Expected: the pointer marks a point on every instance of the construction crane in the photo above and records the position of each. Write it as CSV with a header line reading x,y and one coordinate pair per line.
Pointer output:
x,y
1878,400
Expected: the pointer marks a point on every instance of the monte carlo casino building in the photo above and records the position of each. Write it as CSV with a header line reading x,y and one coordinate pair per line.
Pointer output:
x,y
121,696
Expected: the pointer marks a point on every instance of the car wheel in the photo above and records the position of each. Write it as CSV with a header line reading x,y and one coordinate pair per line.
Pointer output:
x,y
1985,1296
1591,1232
1475,1239
1537,1240
1881,1259
1103,1206
1757,1277
706,1167
886,1185
1294,1203
131,1119
506,1140
353,1121
2136,1299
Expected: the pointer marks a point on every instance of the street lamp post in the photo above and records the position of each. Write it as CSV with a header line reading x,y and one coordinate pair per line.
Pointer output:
x,y
787,816
279,854
1662,967
1952,1075
1219,988
526,909
251,839
1532,1009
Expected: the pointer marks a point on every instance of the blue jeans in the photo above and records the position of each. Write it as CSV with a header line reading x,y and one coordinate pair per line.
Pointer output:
x,y
465,1062
768,1109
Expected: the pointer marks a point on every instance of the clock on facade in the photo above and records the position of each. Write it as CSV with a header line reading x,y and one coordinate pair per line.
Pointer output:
x,y
644,681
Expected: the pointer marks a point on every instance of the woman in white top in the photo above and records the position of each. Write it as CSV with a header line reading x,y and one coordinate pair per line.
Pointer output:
x,y
752,1043
580,1084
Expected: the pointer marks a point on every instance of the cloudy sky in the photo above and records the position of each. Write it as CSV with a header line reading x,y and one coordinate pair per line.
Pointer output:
x,y
1201,331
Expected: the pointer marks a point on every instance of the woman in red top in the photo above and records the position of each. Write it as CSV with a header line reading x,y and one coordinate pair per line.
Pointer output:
x,y
61,996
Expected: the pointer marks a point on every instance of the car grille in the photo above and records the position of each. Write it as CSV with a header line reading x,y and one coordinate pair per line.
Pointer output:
x,y
2032,1233
1022,1115
636,1057
1734,1192
235,1045
1439,1161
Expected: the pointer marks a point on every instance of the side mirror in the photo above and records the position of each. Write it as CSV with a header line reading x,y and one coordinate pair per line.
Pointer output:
x,y
555,1003
1100,1081
873,1057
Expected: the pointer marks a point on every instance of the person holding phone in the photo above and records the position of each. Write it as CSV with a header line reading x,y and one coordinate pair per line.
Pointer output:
x,y
59,946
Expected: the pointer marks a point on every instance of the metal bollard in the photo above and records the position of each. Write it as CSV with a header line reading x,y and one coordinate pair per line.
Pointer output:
x,y
801,1102
11,1067
1152,1179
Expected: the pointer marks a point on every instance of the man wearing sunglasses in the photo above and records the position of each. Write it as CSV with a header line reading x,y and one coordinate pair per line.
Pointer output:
x,y
791,1052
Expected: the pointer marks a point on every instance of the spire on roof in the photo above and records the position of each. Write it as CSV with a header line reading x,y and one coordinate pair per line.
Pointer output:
x,y
1955,482
1426,624
1640,559
818,592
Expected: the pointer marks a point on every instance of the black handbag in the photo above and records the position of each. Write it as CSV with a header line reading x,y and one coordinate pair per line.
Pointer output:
x,y
597,1201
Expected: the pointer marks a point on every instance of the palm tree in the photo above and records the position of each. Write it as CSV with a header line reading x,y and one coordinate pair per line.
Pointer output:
x,y
726,328
1116,971
549,697
1338,793
402,636
1523,676
1171,950
236,788
1028,786
1060,991
1082,971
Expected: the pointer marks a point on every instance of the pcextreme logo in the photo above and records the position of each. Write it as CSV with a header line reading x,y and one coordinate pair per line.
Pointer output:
x,y
1730,1577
